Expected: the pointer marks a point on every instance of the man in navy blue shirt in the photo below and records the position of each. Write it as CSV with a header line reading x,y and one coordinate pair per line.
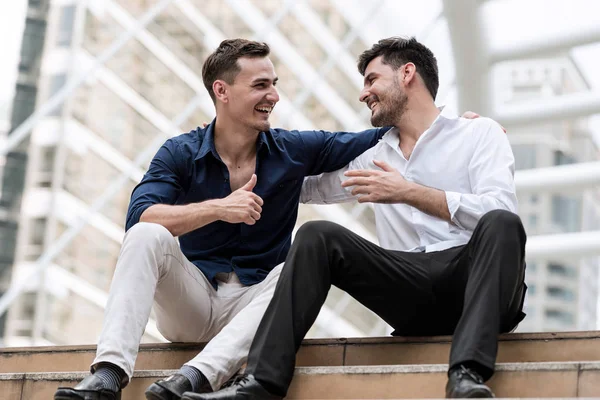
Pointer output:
x,y
230,193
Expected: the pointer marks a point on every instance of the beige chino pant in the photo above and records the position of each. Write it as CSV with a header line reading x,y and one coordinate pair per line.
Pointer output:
x,y
152,270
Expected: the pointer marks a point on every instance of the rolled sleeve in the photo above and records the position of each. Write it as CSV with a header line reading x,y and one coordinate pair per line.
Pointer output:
x,y
161,184
453,201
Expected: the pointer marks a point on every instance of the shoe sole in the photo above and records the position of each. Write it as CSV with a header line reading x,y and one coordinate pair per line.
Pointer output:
x,y
156,392
480,394
70,394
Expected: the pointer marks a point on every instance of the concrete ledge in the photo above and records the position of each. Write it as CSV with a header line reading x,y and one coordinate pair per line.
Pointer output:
x,y
515,380
513,348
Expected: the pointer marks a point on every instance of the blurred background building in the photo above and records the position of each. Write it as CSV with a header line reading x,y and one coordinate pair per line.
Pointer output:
x,y
129,74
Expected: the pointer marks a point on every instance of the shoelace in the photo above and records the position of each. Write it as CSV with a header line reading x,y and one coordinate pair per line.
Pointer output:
x,y
464,371
235,380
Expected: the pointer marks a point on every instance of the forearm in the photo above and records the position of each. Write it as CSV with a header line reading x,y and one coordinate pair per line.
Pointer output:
x,y
429,200
180,220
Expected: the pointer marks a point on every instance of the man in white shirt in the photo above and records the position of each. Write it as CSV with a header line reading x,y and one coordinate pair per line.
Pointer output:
x,y
443,190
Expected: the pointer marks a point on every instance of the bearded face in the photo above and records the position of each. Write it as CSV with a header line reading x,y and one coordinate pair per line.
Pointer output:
x,y
387,104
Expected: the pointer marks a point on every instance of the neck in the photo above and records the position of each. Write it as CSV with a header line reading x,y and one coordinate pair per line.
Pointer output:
x,y
418,117
234,142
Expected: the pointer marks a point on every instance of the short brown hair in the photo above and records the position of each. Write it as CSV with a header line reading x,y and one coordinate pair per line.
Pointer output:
x,y
397,51
222,63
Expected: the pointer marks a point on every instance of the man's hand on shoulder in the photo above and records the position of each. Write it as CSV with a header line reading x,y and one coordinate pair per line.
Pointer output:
x,y
241,205
474,115
374,186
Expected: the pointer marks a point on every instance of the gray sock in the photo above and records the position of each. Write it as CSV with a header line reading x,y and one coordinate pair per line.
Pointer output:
x,y
196,378
111,375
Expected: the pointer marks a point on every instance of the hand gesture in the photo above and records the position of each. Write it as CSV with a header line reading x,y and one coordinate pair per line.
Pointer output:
x,y
242,205
374,186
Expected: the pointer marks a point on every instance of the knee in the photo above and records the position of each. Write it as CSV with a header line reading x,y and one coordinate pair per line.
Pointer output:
x,y
504,227
148,234
315,231
502,220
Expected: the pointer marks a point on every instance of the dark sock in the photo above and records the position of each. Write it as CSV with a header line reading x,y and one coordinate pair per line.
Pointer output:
x,y
196,378
111,375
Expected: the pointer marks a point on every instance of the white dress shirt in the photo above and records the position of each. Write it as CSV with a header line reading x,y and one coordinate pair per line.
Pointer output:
x,y
469,159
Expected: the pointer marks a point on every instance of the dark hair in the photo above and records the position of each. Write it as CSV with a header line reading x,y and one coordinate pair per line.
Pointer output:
x,y
222,63
397,51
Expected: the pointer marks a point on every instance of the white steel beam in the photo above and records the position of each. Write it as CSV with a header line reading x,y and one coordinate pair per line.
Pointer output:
x,y
160,51
329,43
564,245
559,179
558,108
470,55
354,16
91,293
547,44
23,130
304,72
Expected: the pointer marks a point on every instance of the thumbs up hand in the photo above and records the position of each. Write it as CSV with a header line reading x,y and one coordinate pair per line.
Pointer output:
x,y
242,205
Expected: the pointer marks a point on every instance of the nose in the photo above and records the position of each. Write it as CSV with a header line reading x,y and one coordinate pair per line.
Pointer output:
x,y
364,95
273,95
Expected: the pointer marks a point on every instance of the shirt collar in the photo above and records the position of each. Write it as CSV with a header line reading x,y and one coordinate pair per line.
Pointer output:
x,y
392,136
208,142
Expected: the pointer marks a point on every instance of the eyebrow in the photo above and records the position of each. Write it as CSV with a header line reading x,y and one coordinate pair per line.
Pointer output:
x,y
261,80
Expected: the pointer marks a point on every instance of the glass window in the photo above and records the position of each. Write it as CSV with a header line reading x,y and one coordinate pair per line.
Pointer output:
x,y
525,156
65,26
24,104
56,83
532,221
531,267
566,213
560,158
560,293
38,231
531,290
561,270
32,45
560,316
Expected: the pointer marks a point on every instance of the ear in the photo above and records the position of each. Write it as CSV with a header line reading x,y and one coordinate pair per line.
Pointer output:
x,y
408,73
220,89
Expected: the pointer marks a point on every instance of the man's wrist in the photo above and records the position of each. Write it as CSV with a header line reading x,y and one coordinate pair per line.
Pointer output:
x,y
407,192
214,210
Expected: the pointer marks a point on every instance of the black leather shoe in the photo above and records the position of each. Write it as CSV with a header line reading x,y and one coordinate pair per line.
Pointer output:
x,y
245,387
172,388
91,388
464,383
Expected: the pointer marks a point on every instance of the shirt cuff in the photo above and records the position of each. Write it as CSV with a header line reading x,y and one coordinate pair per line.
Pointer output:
x,y
453,201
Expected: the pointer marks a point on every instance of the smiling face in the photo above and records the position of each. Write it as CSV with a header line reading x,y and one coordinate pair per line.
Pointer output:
x,y
383,93
251,97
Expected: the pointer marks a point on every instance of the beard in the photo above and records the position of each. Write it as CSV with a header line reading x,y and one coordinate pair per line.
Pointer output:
x,y
390,108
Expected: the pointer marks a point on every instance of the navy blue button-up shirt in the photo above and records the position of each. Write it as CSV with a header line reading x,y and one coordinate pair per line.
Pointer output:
x,y
187,169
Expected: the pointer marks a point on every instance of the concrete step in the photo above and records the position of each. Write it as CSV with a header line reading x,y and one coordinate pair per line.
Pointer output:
x,y
513,348
512,380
